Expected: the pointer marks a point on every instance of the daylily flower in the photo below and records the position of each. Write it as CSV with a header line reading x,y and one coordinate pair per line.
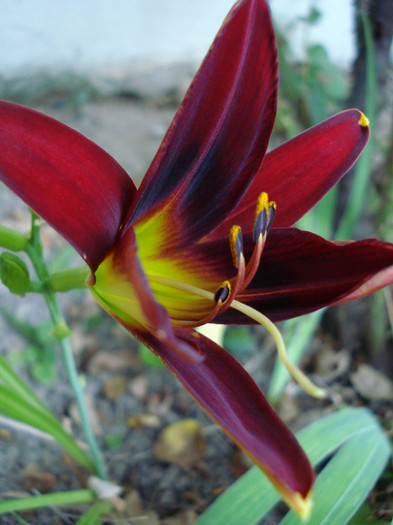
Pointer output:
x,y
171,256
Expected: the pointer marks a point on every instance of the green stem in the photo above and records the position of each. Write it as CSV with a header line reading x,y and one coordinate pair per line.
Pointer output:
x,y
12,240
69,362
67,280
34,251
63,281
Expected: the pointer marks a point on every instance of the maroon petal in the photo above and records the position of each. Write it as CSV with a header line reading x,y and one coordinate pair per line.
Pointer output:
x,y
301,272
297,174
68,180
219,135
230,396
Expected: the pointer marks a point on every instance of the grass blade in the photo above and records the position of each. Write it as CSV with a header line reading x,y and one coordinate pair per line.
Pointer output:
x,y
13,406
15,383
69,497
92,516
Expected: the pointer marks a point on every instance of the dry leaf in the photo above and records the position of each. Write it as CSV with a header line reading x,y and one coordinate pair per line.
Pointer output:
x,y
112,361
43,482
115,387
133,504
143,420
5,434
371,384
138,386
181,443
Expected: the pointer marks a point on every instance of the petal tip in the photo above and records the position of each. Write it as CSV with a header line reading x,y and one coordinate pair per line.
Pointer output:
x,y
363,120
302,506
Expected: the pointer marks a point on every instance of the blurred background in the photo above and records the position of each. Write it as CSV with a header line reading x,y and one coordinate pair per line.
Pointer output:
x,y
86,37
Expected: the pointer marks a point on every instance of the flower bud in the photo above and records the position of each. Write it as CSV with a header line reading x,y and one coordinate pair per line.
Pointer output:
x,y
14,273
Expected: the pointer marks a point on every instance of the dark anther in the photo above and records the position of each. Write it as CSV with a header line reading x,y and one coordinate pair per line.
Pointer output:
x,y
223,293
272,214
260,224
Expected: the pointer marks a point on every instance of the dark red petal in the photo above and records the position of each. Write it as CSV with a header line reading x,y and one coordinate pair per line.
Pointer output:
x,y
230,396
219,135
68,180
301,272
297,174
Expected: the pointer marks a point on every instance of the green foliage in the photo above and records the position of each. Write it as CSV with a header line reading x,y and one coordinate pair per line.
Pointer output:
x,y
358,450
93,515
113,441
309,90
148,358
363,517
238,340
18,402
46,500
39,355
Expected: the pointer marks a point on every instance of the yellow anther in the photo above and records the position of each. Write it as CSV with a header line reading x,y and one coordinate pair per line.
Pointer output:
x,y
262,203
363,121
236,243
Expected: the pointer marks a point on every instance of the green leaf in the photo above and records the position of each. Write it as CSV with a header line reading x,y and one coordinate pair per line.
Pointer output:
x,y
250,498
93,515
238,340
15,383
44,372
313,16
14,273
70,497
114,441
148,358
16,407
363,516
347,479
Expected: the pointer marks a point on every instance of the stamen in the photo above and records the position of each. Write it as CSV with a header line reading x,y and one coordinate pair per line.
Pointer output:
x,y
254,261
261,216
261,319
264,216
271,214
221,297
223,293
236,244
295,372
363,121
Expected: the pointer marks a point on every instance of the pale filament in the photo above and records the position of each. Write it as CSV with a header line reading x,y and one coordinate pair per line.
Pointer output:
x,y
307,385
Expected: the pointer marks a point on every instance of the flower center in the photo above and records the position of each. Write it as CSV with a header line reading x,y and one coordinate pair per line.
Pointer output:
x,y
224,296
136,285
